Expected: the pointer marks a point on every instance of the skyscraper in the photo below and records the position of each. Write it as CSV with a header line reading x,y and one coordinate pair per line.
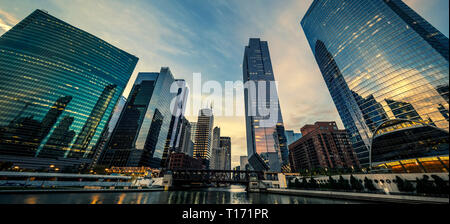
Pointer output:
x,y
203,136
176,120
59,85
215,150
141,133
292,136
266,141
225,155
381,61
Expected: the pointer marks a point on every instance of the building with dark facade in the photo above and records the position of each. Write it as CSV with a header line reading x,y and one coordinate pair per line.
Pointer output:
x,y
203,136
184,142
225,145
216,150
322,146
292,136
266,140
179,160
404,146
176,121
141,132
59,86
381,61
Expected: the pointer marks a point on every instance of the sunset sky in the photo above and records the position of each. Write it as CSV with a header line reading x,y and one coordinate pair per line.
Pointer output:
x,y
208,37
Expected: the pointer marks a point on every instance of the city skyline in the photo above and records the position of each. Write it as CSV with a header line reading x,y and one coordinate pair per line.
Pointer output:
x,y
286,60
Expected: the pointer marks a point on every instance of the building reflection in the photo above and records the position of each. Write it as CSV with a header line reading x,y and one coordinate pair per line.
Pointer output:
x,y
24,134
80,147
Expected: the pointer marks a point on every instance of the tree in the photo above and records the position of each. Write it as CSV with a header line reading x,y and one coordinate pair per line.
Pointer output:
x,y
343,184
425,186
304,183
405,186
441,185
313,183
332,184
5,165
368,184
355,184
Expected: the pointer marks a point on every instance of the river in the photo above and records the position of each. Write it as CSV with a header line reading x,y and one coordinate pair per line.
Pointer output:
x,y
228,195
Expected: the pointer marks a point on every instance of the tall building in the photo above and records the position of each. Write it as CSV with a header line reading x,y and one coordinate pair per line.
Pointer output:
x,y
193,131
322,146
184,142
59,86
116,114
203,136
225,146
176,120
381,61
266,141
243,162
141,132
292,136
216,151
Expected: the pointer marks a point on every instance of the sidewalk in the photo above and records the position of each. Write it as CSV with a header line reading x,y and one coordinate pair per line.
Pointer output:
x,y
362,196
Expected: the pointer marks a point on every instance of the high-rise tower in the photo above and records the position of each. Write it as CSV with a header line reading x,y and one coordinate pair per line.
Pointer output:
x,y
266,141
203,136
381,61
143,126
59,86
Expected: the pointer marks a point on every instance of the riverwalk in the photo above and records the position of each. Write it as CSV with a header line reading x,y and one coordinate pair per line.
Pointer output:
x,y
383,198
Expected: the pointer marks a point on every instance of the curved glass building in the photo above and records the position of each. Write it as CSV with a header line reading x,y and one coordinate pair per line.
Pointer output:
x,y
410,146
58,87
381,61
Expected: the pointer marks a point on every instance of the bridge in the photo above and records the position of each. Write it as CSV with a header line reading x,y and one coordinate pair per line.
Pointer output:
x,y
187,177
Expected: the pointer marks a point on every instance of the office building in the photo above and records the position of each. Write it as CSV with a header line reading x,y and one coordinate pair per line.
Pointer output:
x,y
59,86
141,132
225,145
203,136
216,151
243,162
381,61
175,126
266,141
292,136
322,146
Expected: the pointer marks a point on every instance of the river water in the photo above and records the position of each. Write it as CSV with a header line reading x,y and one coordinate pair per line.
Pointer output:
x,y
227,195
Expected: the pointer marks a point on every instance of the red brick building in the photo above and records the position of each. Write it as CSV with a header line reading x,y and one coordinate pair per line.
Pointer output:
x,y
322,146
183,161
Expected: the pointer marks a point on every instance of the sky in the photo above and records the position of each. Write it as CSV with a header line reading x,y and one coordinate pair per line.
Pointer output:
x,y
208,37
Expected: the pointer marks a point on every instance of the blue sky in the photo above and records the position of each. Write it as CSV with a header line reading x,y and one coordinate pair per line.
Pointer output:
x,y
208,36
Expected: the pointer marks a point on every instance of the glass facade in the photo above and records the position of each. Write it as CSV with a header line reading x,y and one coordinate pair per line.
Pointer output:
x,y
143,126
380,61
266,145
175,127
410,146
203,136
58,87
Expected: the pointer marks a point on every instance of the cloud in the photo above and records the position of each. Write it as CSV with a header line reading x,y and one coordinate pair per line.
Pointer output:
x,y
7,21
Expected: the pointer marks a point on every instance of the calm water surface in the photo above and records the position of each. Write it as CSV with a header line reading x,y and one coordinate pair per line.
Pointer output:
x,y
230,195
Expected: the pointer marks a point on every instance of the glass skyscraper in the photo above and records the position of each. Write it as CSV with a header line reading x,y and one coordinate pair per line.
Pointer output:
x,y
381,61
58,87
266,144
175,127
141,132
203,136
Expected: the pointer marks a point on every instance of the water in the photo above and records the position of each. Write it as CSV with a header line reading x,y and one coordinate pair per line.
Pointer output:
x,y
230,195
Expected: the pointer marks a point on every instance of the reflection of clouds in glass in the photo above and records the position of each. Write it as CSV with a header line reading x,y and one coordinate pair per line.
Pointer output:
x,y
402,85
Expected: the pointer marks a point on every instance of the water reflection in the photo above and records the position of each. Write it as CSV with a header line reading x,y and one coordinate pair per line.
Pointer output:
x,y
231,195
